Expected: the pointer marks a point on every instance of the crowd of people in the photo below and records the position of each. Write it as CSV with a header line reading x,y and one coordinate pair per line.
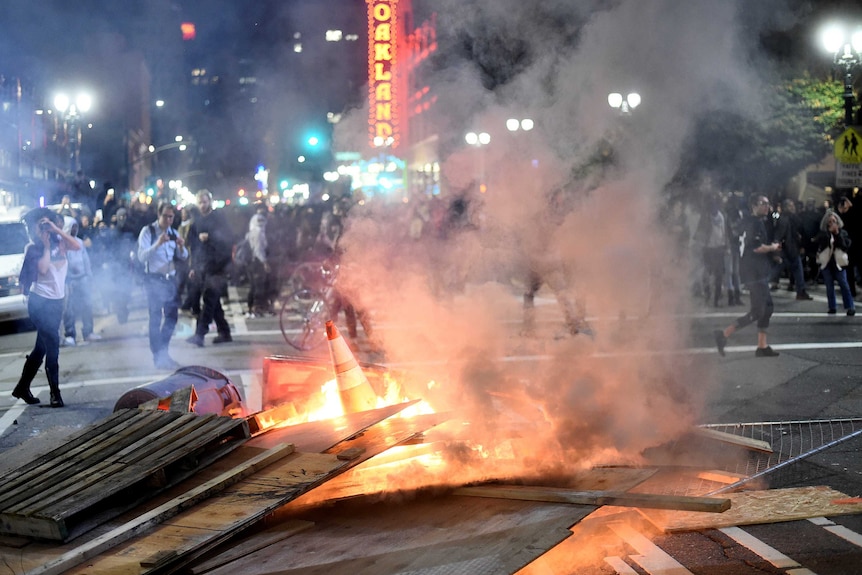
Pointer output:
x,y
760,244
799,229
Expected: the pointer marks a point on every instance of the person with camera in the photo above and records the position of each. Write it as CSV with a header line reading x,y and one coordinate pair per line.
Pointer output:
x,y
43,279
159,248
833,244
755,268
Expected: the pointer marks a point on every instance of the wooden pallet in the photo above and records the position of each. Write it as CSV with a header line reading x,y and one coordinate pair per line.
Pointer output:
x,y
110,467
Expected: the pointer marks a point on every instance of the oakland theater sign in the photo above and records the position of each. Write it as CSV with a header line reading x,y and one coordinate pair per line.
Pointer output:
x,y
382,73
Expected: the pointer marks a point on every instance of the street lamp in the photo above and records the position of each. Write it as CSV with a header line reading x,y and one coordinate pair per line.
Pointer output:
x,y
624,105
71,113
479,140
846,55
514,124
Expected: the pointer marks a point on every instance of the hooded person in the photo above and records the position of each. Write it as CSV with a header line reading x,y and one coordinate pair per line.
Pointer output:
x,y
258,267
44,279
79,290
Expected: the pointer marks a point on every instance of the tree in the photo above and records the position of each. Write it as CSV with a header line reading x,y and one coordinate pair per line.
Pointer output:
x,y
739,152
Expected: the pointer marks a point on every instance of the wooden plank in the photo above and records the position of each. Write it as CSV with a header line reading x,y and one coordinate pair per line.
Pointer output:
x,y
254,542
123,533
171,446
250,500
318,436
46,471
738,440
618,498
70,445
434,534
91,474
755,507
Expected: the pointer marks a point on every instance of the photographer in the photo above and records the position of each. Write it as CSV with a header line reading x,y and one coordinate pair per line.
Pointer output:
x,y
43,278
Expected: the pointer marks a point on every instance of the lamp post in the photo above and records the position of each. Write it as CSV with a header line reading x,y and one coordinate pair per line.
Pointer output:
x,y
479,140
847,54
624,105
71,113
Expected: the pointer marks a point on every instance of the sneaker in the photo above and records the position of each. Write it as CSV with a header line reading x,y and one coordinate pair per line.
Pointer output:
x,y
765,352
93,337
804,296
851,312
226,338
249,315
69,342
831,312
165,362
196,339
720,341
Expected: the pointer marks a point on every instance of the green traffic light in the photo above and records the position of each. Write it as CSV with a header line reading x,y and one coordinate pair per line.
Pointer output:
x,y
313,140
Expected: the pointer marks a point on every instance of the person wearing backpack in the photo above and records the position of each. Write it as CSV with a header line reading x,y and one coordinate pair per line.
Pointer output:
x,y
43,279
159,247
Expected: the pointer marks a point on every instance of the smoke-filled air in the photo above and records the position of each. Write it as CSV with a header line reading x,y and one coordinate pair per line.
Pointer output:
x,y
576,204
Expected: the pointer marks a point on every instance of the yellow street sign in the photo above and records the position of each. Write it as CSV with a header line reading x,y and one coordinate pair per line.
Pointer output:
x,y
847,147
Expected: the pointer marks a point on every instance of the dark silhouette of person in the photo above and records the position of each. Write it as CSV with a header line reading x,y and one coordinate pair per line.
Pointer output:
x,y
854,145
846,144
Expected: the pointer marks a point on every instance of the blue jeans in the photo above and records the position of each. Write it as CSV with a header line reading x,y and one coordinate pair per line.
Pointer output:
x,y
829,277
46,314
79,305
162,305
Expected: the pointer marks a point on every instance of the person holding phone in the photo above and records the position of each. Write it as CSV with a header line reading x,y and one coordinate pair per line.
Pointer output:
x,y
159,247
44,282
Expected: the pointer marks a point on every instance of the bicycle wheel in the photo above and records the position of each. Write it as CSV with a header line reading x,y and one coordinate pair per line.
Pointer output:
x,y
303,319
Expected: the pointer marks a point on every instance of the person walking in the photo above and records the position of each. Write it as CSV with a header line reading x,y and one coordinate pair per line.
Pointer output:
x,y
212,248
833,244
754,269
159,247
43,278
79,290
258,266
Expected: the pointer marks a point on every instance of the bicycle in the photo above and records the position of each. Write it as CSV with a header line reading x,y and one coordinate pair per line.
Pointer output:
x,y
305,309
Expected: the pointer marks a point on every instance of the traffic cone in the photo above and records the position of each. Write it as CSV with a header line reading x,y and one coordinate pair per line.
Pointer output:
x,y
353,387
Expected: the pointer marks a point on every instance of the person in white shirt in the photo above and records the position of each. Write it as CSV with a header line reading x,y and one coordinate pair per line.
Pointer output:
x,y
43,277
159,246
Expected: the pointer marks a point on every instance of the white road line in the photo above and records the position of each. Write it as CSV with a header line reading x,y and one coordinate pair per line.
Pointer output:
x,y
11,415
771,554
839,530
620,566
235,306
652,558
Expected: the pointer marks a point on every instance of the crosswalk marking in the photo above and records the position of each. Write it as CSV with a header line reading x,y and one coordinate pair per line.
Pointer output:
x,y
839,530
771,554
651,557
620,566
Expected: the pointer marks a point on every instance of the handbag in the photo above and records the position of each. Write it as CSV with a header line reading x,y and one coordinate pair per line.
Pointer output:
x,y
841,258
823,257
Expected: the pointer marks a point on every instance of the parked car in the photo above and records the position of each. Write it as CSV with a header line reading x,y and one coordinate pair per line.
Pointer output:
x,y
13,239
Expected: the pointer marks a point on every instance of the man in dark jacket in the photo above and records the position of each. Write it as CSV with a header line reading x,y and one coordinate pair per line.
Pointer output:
x,y
754,270
850,216
211,245
791,249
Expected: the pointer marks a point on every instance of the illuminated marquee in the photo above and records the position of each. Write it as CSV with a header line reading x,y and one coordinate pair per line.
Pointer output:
x,y
382,73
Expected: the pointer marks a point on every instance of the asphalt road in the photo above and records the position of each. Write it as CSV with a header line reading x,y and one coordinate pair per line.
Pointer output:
x,y
816,377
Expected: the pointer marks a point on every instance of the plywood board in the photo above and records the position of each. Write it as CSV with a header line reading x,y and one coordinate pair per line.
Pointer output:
x,y
755,507
432,535
618,498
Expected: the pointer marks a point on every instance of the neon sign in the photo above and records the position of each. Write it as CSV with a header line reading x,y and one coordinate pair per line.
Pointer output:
x,y
382,73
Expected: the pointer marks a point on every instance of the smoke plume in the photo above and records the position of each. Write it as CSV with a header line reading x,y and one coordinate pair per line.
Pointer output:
x,y
577,201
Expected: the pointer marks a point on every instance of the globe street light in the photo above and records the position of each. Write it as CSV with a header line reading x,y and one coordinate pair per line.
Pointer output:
x,y
479,141
624,105
71,114
514,124
847,54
